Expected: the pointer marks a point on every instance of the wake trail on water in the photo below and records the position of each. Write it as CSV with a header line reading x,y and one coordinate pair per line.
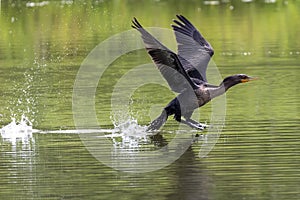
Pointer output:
x,y
127,131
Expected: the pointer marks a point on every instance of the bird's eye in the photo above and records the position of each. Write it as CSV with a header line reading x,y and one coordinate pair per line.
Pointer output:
x,y
243,76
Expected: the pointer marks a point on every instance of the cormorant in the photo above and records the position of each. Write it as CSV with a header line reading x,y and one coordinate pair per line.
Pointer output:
x,y
185,72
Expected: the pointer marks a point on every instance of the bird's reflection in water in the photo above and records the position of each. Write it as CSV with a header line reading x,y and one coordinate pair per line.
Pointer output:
x,y
185,178
192,180
158,140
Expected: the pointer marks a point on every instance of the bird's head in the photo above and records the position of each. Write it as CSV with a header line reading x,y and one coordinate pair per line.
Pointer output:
x,y
243,78
236,79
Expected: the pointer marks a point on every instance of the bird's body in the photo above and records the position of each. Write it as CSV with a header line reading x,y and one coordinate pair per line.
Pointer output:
x,y
185,72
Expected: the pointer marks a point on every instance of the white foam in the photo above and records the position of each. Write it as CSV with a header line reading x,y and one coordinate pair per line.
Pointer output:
x,y
16,131
130,134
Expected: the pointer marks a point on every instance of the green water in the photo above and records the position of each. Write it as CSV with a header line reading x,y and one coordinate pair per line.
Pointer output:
x,y
257,155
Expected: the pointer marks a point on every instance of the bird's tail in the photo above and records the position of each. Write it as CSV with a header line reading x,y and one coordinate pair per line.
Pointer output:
x,y
158,122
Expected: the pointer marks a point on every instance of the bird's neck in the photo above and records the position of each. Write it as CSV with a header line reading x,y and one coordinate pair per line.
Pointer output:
x,y
221,89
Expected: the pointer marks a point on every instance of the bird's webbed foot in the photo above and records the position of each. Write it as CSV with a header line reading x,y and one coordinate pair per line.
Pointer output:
x,y
198,123
194,124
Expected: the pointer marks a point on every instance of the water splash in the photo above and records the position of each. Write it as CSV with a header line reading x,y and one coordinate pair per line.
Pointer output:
x,y
18,131
24,99
131,134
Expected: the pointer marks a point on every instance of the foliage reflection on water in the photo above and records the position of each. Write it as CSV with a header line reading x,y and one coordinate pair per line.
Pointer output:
x,y
257,156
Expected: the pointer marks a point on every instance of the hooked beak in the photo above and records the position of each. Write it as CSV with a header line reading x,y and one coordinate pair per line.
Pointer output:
x,y
249,79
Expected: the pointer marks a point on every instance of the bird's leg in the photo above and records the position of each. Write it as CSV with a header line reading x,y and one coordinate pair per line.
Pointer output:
x,y
158,122
196,123
193,124
189,122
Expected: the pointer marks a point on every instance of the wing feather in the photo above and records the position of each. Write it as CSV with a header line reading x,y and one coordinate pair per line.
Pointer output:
x,y
193,50
166,61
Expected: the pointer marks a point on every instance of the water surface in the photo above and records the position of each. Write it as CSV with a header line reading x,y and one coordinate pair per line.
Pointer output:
x,y
42,46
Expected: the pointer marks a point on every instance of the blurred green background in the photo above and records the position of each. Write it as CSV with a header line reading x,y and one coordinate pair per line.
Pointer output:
x,y
42,45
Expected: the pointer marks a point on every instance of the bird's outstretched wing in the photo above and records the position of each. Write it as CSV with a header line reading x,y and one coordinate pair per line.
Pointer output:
x,y
194,51
167,61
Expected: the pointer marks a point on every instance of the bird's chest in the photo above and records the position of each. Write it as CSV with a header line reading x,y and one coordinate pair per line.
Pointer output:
x,y
203,96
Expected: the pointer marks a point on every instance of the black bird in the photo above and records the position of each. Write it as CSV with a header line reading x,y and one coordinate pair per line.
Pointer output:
x,y
185,72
